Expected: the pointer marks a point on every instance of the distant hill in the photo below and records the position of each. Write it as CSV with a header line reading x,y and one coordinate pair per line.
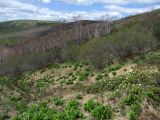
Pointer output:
x,y
12,32
21,25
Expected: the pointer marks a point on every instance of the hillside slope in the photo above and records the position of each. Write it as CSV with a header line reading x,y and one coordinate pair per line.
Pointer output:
x,y
71,91
84,70
82,40
12,32
21,25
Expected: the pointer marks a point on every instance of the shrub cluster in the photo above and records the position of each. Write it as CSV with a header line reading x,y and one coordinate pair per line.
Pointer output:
x,y
42,112
97,110
58,101
99,77
84,76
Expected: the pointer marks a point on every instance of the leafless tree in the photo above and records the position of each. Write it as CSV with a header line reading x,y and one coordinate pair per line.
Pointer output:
x,y
88,30
97,31
106,19
78,27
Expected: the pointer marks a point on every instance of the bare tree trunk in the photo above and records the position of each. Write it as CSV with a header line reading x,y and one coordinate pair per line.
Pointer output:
x,y
96,34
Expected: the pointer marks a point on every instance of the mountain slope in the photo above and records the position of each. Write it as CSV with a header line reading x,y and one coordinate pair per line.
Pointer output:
x,y
81,70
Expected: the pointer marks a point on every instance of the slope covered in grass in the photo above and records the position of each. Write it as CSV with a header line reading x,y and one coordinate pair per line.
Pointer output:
x,y
72,91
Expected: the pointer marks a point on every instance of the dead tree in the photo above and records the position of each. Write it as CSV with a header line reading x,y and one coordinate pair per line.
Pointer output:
x,y
88,30
97,28
106,20
78,28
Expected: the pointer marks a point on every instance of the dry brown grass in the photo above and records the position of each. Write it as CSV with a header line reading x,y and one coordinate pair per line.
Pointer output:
x,y
149,113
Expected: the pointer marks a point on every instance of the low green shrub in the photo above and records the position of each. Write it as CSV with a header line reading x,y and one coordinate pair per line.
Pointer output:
x,y
19,103
153,95
56,65
76,64
102,112
87,73
134,111
114,67
99,77
134,96
128,100
42,83
40,112
72,111
74,78
87,69
81,65
153,59
97,110
75,68
58,101
69,81
106,75
114,73
83,76
92,74
79,96
136,107
132,115
90,105
70,74
65,66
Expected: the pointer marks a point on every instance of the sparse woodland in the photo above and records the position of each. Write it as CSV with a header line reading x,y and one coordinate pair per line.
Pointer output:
x,y
80,40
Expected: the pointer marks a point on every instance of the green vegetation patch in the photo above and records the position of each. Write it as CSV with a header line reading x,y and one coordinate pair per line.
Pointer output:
x,y
43,112
58,101
98,111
